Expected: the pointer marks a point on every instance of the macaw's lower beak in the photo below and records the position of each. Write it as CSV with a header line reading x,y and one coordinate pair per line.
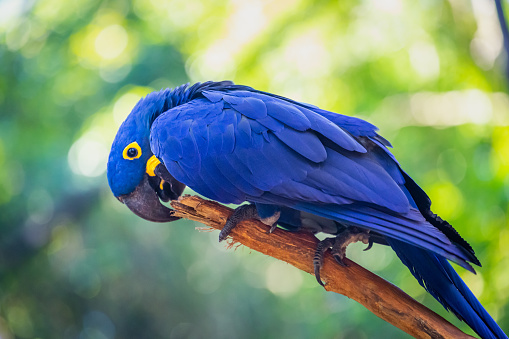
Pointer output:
x,y
166,186
144,202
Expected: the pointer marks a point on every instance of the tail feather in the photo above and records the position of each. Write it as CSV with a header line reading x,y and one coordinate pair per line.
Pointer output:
x,y
423,203
438,277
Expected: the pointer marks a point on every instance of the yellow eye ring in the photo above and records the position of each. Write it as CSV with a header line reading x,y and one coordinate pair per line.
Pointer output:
x,y
132,151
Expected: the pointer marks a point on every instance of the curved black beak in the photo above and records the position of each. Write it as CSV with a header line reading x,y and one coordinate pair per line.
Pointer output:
x,y
145,203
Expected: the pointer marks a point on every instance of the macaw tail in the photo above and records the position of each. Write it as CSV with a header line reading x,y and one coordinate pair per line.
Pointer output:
x,y
437,276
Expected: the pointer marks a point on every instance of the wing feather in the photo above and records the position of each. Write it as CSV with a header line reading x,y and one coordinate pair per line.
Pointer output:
x,y
250,107
305,143
264,149
288,115
332,131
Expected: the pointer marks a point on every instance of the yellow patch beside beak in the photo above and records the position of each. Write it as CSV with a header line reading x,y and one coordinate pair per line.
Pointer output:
x,y
151,165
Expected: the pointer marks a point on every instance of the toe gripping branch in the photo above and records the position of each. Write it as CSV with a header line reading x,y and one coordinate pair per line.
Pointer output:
x,y
338,247
245,212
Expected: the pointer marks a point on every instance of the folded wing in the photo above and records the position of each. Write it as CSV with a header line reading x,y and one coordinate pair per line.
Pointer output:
x,y
240,145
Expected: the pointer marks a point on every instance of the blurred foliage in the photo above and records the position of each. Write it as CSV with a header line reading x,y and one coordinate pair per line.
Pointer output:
x,y
74,263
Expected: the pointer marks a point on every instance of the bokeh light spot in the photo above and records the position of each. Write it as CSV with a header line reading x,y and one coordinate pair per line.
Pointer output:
x,y
447,200
451,108
424,60
501,150
114,74
487,43
282,279
123,106
10,11
88,156
388,6
308,54
111,42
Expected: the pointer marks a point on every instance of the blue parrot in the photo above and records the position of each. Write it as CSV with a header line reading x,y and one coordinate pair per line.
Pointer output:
x,y
300,168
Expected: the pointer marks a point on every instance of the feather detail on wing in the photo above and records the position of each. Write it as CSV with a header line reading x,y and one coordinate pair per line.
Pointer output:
x,y
237,146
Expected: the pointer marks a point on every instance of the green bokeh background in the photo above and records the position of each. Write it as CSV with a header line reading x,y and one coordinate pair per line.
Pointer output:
x,y
74,263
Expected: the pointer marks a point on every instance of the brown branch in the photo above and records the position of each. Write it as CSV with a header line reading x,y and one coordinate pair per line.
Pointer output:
x,y
297,248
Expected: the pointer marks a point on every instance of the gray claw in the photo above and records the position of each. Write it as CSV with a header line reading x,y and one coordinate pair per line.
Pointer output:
x,y
339,260
321,248
272,228
317,275
338,244
370,244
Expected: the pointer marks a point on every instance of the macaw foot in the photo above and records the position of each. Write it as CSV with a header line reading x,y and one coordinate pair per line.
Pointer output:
x,y
246,212
338,247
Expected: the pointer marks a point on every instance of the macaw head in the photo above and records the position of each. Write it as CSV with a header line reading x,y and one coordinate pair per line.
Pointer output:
x,y
136,177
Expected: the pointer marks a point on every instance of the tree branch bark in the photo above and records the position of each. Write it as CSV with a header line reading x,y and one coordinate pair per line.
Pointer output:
x,y
297,248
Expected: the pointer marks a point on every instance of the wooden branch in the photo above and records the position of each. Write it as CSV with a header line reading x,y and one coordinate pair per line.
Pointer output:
x,y
297,248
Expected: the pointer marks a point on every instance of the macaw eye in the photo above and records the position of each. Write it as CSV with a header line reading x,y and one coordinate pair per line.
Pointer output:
x,y
132,151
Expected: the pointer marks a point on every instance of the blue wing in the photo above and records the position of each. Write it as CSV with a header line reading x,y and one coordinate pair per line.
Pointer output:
x,y
242,145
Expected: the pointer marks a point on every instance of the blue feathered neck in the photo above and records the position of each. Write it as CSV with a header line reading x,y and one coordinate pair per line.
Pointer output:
x,y
156,103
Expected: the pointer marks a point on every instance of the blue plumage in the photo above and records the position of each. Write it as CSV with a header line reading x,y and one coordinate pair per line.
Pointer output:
x,y
314,169
437,276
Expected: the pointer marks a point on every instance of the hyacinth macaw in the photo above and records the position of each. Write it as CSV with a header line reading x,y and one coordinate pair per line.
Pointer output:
x,y
298,167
